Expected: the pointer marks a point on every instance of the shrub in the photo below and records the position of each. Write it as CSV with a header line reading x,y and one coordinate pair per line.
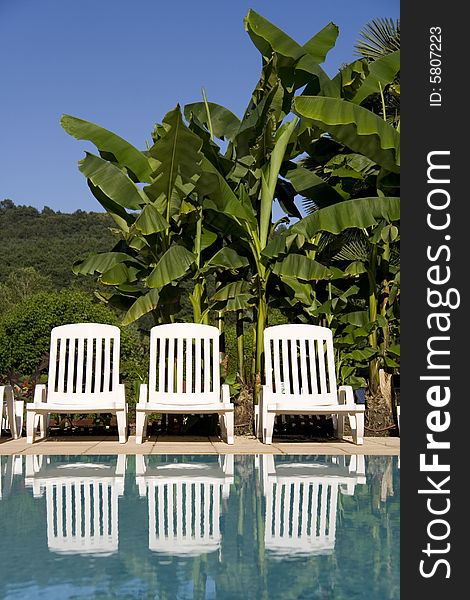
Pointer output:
x,y
25,334
20,284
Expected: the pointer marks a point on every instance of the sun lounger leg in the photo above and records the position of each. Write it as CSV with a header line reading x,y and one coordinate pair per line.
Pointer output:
x,y
229,427
140,425
30,422
268,426
122,425
358,432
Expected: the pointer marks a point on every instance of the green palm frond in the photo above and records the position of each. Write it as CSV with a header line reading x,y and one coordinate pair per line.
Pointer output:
x,y
309,206
378,38
352,244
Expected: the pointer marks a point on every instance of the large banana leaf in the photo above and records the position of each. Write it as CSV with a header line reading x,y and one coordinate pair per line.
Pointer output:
x,y
350,78
172,266
179,157
322,42
234,296
220,221
301,267
227,259
303,292
112,181
269,179
276,246
270,39
106,141
119,214
258,122
381,72
142,306
220,196
208,237
232,289
359,318
150,221
210,149
355,127
224,123
118,275
357,267
100,263
310,185
360,213
240,302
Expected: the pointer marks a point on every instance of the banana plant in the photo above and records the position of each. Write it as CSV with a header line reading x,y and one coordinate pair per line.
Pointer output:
x,y
340,268
361,155
153,201
240,186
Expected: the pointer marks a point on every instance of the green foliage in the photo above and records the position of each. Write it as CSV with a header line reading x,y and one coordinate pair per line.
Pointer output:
x,y
20,284
337,152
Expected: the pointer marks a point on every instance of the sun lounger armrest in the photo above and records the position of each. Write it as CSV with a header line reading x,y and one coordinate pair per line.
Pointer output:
x,y
225,393
345,394
39,393
121,389
143,393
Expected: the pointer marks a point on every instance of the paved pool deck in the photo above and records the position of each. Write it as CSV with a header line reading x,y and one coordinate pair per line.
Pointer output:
x,y
167,444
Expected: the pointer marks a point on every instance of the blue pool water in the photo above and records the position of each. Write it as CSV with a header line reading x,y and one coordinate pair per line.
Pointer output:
x,y
172,527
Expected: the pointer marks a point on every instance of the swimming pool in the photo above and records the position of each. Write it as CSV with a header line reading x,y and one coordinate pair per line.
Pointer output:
x,y
203,527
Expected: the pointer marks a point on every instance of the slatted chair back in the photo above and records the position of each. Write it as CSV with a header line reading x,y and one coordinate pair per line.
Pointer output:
x,y
81,504
184,517
84,363
300,364
71,530
302,502
184,364
184,504
301,518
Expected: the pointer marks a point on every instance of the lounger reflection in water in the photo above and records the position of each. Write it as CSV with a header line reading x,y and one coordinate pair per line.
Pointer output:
x,y
301,502
81,502
10,466
184,503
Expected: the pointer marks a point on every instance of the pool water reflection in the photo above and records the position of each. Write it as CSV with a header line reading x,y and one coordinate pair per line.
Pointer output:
x,y
205,527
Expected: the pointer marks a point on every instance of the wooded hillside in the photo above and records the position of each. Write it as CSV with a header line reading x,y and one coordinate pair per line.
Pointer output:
x,y
50,241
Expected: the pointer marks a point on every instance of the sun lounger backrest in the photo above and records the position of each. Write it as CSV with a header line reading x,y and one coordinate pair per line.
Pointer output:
x,y
84,363
184,363
300,363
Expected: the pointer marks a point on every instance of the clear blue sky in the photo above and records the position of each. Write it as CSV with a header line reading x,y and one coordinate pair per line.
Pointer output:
x,y
123,65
